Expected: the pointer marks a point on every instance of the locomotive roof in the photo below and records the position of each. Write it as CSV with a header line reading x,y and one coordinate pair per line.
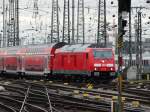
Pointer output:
x,y
75,47
79,47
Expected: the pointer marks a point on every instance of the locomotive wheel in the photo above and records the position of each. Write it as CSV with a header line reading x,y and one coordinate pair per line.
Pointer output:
x,y
22,75
2,74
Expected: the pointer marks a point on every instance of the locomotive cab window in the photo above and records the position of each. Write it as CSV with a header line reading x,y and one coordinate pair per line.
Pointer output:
x,y
102,54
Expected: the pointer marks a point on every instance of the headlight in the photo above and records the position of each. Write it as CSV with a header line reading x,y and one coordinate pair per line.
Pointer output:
x,y
110,65
97,65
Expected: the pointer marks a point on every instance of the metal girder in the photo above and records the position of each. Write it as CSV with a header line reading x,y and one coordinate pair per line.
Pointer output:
x,y
66,22
101,30
80,22
54,23
13,23
138,30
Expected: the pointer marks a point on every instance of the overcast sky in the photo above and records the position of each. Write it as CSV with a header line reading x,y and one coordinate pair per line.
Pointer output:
x,y
43,20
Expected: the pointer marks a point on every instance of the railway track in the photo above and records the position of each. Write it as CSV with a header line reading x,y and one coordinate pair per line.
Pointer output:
x,y
35,95
11,99
5,108
62,97
108,94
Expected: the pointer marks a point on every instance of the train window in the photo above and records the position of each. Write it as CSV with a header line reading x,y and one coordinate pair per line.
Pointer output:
x,y
12,51
102,54
143,62
35,51
148,62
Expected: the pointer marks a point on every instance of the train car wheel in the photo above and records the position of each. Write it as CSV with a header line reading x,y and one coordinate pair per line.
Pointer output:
x,y
22,75
2,74
18,75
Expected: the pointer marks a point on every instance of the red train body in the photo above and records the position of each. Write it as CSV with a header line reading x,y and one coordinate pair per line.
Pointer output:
x,y
81,59
57,59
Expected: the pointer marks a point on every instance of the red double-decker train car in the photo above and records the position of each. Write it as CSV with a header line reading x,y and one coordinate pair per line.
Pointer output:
x,y
28,60
58,59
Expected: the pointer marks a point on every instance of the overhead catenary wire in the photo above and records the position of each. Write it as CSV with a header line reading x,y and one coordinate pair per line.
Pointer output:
x,y
44,10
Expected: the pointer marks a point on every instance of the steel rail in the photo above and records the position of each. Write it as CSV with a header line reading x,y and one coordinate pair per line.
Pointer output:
x,y
50,104
9,99
7,108
67,102
24,101
55,96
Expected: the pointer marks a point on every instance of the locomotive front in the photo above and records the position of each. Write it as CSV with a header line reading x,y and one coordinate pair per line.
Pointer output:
x,y
103,61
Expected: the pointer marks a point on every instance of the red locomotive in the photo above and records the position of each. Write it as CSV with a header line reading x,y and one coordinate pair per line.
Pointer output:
x,y
58,59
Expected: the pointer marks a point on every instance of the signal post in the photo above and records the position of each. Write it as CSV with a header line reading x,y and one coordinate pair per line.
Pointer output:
x,y
123,6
